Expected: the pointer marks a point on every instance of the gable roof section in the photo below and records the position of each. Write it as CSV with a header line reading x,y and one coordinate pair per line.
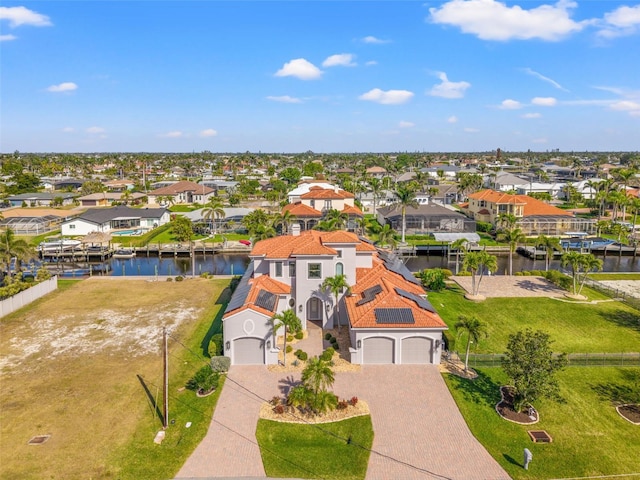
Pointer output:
x,y
309,242
319,193
258,294
103,215
181,187
532,206
299,209
352,210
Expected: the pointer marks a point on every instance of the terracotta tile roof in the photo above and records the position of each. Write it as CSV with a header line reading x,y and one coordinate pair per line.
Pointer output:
x,y
180,187
266,283
376,169
301,210
362,315
307,243
339,236
365,247
319,193
350,210
532,206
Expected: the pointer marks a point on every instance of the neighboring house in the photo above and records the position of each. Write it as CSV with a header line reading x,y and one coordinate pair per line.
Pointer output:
x,y
40,199
220,185
313,205
448,171
106,199
552,189
385,309
376,172
304,186
119,185
534,217
117,218
429,218
183,192
507,182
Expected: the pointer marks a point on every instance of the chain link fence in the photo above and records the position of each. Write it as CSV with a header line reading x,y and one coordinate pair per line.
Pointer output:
x,y
574,359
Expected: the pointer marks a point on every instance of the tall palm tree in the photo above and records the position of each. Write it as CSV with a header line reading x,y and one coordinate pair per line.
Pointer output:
x,y
512,236
459,245
13,247
575,261
212,211
551,245
387,236
290,322
284,219
474,329
376,186
337,218
476,262
336,285
406,198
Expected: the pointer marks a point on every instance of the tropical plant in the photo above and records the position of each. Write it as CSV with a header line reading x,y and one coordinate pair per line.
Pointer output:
x,y
460,245
337,218
531,365
433,279
512,236
387,236
318,375
406,197
182,228
336,285
205,380
14,247
476,263
475,330
290,322
550,245
212,211
581,265
284,220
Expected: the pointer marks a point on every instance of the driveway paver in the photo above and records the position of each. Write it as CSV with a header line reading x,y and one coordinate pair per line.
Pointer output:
x,y
419,432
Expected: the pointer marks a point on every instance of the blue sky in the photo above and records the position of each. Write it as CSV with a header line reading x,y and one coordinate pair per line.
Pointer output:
x,y
328,76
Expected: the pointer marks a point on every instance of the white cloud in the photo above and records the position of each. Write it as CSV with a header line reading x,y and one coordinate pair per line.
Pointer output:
x,y
340,60
7,38
284,99
374,40
544,101
63,87
509,104
627,106
452,119
529,71
68,129
471,130
404,124
390,97
209,132
18,16
173,134
621,21
494,20
448,89
299,68
531,115
95,130
371,62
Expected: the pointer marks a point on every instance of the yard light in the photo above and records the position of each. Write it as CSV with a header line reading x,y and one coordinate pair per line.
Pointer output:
x,y
228,345
359,344
268,343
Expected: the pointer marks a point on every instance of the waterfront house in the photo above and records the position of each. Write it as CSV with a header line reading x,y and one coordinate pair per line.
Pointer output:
x,y
182,192
385,309
120,218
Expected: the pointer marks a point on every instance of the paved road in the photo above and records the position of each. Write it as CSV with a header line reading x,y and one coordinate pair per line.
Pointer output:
x,y
418,428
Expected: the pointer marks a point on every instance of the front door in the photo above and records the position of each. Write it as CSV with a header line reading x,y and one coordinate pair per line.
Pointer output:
x,y
315,309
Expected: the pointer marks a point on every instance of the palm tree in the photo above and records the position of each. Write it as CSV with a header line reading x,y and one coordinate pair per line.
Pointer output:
x,y
476,262
589,264
284,219
337,218
575,261
406,198
291,323
506,220
512,236
212,211
336,285
317,375
376,188
387,237
13,247
458,245
475,330
550,244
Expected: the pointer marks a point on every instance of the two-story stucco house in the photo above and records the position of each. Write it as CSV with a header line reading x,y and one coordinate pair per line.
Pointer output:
x,y
182,192
385,309
312,206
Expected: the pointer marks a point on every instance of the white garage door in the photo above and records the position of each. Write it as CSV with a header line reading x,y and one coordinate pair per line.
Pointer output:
x,y
248,351
416,350
377,350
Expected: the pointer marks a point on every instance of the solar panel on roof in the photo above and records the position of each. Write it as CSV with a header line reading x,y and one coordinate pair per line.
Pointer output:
x,y
369,294
242,290
394,316
266,300
421,302
395,265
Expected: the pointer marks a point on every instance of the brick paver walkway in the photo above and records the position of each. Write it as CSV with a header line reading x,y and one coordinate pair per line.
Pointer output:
x,y
415,420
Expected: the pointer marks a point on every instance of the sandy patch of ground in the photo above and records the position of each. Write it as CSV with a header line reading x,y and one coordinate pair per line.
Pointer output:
x,y
630,287
495,286
292,415
40,212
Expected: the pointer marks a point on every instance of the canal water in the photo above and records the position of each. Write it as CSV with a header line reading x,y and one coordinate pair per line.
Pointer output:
x,y
236,264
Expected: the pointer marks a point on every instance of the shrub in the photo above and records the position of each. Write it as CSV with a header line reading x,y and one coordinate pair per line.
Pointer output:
x,y
289,338
289,349
327,354
433,279
558,279
297,352
303,356
335,346
279,409
179,278
275,401
216,345
447,273
354,401
204,380
299,335
220,364
169,279
484,227
342,404
42,275
327,336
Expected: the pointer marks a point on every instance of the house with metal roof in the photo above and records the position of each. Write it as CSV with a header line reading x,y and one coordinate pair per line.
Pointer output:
x,y
116,219
385,309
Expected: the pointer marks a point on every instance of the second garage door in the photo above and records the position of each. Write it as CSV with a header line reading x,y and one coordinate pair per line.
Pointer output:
x,y
377,350
416,350
248,351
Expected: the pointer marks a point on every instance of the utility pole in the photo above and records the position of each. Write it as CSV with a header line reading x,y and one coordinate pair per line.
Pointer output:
x,y
165,379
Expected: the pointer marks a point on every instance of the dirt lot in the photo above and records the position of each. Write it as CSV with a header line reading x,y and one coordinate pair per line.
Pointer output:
x,y
69,366
630,287
512,286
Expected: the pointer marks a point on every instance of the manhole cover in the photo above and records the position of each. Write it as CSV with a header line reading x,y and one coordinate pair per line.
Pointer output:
x,y
540,436
39,439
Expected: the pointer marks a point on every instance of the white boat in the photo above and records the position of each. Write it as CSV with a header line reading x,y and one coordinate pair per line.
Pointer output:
x,y
60,245
124,253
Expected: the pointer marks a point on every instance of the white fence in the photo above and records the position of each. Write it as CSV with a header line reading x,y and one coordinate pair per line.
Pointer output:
x,y
27,296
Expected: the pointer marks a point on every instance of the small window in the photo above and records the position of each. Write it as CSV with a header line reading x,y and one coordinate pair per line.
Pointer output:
x,y
72,227
339,253
292,269
278,269
315,270
339,269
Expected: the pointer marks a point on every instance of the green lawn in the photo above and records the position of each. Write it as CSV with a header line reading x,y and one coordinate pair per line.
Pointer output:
x,y
574,327
589,437
614,276
316,451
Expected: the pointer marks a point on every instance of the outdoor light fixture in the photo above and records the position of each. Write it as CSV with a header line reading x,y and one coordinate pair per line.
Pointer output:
x,y
268,343
300,308
359,343
437,344
327,306
228,345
